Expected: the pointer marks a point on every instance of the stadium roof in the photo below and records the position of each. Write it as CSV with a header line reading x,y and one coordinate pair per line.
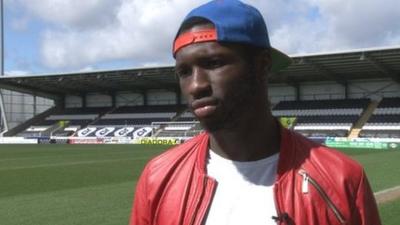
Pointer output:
x,y
339,67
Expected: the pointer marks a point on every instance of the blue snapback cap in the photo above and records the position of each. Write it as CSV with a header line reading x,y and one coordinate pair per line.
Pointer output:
x,y
234,22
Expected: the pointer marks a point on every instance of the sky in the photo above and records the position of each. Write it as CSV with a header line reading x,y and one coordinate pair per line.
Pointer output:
x,y
64,36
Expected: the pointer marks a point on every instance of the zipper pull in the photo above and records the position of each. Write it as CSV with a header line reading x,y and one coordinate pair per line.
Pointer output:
x,y
304,185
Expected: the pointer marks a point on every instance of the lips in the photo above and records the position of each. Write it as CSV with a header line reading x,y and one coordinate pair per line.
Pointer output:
x,y
204,107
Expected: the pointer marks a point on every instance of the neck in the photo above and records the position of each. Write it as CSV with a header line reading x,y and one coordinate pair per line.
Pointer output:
x,y
256,138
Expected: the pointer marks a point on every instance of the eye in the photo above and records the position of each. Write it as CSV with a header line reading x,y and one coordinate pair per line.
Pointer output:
x,y
213,63
183,72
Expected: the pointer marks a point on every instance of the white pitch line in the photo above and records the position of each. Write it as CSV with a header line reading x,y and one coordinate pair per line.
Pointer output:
x,y
385,195
71,163
387,190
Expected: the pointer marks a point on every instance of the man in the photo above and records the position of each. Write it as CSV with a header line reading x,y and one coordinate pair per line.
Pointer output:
x,y
245,168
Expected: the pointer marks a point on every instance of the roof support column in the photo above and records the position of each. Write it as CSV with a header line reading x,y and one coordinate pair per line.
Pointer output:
x,y
113,99
178,96
145,99
34,105
83,96
297,88
3,117
346,91
60,103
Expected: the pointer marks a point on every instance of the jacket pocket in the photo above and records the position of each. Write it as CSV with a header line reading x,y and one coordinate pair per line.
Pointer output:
x,y
308,180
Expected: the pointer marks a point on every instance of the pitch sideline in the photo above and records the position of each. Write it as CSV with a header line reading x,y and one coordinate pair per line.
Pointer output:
x,y
387,195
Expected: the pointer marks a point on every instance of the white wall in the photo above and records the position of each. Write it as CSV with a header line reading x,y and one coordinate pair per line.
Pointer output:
x,y
98,100
279,93
316,91
161,97
329,90
129,99
154,97
21,107
374,89
73,101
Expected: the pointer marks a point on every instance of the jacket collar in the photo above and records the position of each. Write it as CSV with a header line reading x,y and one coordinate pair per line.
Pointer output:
x,y
286,154
202,148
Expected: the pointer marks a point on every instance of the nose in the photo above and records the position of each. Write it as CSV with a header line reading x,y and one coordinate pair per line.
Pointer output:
x,y
200,83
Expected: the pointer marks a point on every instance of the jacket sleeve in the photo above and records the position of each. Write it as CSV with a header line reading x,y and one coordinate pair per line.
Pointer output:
x,y
140,211
366,207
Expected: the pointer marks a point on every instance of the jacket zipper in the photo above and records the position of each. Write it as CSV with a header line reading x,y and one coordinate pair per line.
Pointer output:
x,y
304,188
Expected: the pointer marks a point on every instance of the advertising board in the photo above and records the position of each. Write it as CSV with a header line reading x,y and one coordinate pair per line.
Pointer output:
x,y
363,143
157,141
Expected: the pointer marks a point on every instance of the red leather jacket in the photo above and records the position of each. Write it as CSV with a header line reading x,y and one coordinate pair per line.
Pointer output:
x,y
314,185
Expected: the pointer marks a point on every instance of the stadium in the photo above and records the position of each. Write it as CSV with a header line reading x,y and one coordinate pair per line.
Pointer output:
x,y
348,100
346,94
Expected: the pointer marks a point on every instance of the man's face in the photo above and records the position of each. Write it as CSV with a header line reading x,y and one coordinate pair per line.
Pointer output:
x,y
218,83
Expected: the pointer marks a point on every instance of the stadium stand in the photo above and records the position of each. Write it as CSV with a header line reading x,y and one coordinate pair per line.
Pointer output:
x,y
126,119
322,117
104,119
177,129
385,121
328,94
186,116
64,122
114,131
140,115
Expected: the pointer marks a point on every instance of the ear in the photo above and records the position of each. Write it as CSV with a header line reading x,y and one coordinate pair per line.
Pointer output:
x,y
263,64
266,61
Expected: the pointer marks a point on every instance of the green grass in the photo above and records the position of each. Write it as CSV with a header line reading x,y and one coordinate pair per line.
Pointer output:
x,y
382,166
69,184
389,213
94,184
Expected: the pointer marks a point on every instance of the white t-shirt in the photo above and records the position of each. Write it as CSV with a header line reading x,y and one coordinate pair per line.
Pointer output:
x,y
244,193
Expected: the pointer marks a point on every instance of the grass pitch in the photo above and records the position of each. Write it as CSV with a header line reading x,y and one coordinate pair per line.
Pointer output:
x,y
69,184
382,166
94,184
389,213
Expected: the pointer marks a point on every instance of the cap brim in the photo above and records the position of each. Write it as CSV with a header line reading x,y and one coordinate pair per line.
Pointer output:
x,y
280,60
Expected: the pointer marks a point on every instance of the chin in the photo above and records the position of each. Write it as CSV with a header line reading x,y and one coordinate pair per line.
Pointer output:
x,y
227,117
211,128
209,125
214,125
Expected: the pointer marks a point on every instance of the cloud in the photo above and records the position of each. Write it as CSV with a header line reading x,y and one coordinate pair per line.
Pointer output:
x,y
73,14
307,26
362,23
83,33
142,31
294,26
87,69
16,73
